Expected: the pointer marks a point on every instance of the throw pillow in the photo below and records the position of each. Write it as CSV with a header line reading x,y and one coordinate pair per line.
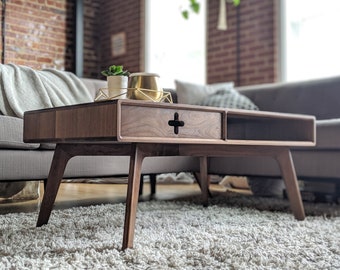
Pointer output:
x,y
228,99
190,93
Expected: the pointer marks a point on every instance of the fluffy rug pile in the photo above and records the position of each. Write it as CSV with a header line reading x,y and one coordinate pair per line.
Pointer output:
x,y
234,232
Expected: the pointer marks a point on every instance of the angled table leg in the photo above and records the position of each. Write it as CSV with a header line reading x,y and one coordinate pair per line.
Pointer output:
x,y
59,162
280,153
286,164
136,160
204,180
137,153
153,179
62,155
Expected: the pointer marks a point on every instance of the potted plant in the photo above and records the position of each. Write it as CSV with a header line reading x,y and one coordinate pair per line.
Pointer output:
x,y
117,81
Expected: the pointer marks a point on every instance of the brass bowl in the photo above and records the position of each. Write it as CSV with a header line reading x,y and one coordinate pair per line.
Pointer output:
x,y
144,86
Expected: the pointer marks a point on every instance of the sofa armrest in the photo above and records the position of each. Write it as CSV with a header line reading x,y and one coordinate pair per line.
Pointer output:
x,y
320,98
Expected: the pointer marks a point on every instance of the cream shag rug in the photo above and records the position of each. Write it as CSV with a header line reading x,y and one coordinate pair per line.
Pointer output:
x,y
234,232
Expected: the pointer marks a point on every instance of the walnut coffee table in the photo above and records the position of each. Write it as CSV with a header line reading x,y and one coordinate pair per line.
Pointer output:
x,y
139,129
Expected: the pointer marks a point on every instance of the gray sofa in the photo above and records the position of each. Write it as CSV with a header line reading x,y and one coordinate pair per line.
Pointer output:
x,y
317,167
20,161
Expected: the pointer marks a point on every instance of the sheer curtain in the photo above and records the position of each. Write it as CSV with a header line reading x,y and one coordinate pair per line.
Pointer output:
x,y
175,48
311,39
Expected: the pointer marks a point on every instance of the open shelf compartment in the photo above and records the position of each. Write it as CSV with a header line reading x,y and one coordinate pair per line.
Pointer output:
x,y
245,127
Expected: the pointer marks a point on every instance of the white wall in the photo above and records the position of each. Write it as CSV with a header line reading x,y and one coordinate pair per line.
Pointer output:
x,y
175,48
311,39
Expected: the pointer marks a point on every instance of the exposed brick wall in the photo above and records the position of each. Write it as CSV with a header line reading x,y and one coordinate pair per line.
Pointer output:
x,y
39,33
257,44
122,16
257,61
92,42
0,31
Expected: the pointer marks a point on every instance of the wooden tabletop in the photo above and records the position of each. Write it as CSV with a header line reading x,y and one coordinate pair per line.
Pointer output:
x,y
141,121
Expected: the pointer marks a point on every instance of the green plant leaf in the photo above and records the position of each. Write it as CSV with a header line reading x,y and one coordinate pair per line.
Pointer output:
x,y
185,14
195,6
119,69
237,2
112,68
115,71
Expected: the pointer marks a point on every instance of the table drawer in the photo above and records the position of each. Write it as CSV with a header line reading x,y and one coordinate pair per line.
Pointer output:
x,y
160,123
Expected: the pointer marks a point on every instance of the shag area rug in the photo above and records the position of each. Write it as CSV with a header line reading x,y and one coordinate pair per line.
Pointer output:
x,y
234,232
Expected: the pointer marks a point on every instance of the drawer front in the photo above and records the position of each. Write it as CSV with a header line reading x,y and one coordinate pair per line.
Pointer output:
x,y
154,124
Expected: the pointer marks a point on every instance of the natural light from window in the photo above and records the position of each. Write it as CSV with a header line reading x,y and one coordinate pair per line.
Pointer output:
x,y
311,39
175,48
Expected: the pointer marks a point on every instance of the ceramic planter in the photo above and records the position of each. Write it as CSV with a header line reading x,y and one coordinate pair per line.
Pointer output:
x,y
117,86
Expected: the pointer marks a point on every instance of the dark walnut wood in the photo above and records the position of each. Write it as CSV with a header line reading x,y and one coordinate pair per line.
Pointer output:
x,y
140,129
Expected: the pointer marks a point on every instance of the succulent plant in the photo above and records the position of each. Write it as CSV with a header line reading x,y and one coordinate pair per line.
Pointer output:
x,y
115,71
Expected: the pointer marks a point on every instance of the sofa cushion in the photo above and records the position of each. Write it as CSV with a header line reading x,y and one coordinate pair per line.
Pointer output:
x,y
48,146
328,134
229,99
11,134
190,93
318,97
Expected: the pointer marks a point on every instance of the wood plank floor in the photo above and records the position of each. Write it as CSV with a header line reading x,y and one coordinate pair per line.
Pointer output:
x,y
84,194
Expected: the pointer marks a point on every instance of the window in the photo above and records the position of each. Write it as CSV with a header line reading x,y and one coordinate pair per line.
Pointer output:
x,y
310,39
175,47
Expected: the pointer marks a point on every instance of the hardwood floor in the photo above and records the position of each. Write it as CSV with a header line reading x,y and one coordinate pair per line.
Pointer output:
x,y
84,194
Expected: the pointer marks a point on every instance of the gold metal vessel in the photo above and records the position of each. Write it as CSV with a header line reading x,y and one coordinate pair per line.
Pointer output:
x,y
144,86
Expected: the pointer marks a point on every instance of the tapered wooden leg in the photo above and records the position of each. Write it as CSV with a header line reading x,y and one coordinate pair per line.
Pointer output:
x,y
285,161
153,178
141,185
282,155
136,160
204,180
55,176
198,179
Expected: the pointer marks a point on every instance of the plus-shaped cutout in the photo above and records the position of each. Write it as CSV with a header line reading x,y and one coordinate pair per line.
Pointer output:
x,y
175,123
